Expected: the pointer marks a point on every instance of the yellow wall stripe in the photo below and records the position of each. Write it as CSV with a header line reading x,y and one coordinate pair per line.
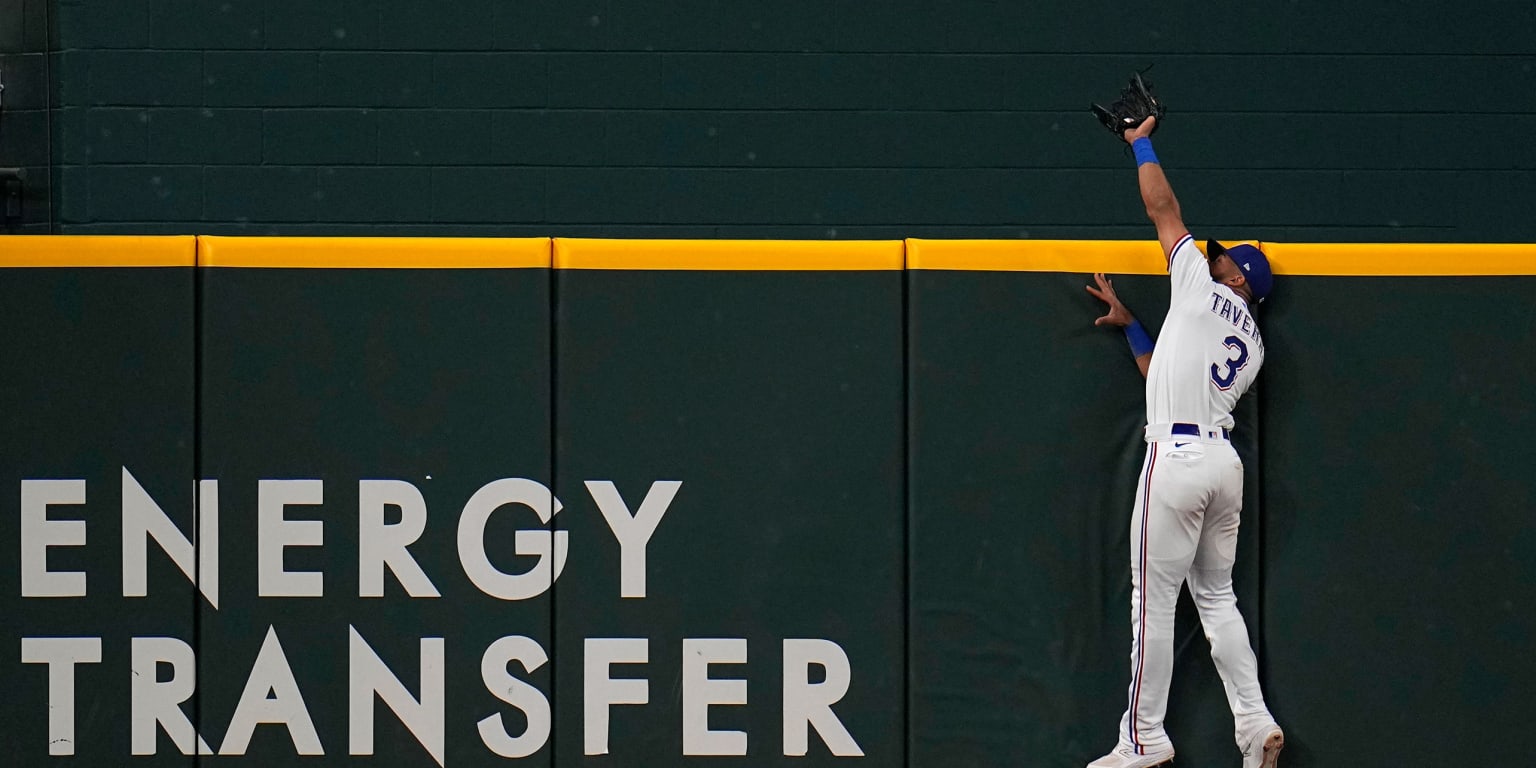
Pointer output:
x,y
806,255
1402,259
1122,257
1114,256
374,252
1137,257
97,251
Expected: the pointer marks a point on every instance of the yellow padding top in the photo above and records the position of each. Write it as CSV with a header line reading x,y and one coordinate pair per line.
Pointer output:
x,y
97,251
713,255
375,252
1121,257
1402,259
1136,257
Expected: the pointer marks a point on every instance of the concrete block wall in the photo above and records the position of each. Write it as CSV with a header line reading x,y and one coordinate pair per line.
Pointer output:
x,y
1301,121
24,114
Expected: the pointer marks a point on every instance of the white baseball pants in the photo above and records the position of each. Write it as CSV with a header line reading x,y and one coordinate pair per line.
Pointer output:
x,y
1184,528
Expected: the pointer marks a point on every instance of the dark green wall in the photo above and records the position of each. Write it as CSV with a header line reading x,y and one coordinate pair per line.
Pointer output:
x,y
776,399
1302,121
1399,557
1025,447
287,359
100,378
957,527
24,114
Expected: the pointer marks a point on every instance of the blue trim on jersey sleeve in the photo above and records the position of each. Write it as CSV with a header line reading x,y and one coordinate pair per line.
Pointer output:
x,y
1176,247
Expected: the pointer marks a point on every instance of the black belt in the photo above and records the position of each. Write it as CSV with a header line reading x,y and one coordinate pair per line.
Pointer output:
x,y
1193,430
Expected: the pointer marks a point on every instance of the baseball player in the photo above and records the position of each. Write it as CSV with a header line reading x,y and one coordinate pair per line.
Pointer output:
x,y
1185,517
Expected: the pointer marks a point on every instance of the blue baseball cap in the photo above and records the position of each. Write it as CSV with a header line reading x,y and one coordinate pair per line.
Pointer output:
x,y
1251,262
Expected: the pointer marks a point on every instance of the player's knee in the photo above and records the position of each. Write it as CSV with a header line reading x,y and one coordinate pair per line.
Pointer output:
x,y
1210,591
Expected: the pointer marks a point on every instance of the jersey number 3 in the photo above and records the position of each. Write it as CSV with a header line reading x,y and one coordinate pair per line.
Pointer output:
x,y
1224,380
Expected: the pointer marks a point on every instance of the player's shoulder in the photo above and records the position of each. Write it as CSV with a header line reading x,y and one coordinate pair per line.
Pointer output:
x,y
1187,266
1187,241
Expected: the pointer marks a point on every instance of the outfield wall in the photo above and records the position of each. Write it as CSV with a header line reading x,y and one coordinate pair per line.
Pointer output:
x,y
471,500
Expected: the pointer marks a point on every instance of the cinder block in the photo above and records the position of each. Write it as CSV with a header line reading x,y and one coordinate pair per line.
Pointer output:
x,y
547,137
375,79
929,82
112,135
324,25
489,80
319,136
204,25
374,194
437,137
603,196
261,194
144,193
143,78
488,194
86,24
260,79
689,25
204,135
604,80
701,196
768,139
73,185
463,25
574,25
915,26
662,138
714,81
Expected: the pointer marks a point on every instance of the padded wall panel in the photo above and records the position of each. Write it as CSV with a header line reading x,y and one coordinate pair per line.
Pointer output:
x,y
766,378
1399,550
96,398
1025,450
339,362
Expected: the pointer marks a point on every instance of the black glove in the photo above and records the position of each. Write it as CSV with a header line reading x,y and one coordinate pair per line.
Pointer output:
x,y
1135,105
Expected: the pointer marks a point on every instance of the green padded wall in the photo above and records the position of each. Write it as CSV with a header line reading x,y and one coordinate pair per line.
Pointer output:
x,y
775,397
929,471
1026,445
1398,573
437,377
97,397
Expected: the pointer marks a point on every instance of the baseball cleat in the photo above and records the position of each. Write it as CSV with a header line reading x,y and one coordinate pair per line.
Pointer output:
x,y
1263,749
1126,757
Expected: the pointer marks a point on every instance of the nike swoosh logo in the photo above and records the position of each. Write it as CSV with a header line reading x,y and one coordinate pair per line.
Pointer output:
x,y
1180,445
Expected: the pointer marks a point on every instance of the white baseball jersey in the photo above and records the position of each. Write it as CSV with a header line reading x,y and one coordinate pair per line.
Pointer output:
x,y
1209,350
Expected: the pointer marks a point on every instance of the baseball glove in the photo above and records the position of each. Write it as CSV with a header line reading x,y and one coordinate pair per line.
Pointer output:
x,y
1135,105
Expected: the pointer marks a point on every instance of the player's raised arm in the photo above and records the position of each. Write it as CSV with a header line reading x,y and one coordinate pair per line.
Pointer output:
x,y
1119,316
1156,192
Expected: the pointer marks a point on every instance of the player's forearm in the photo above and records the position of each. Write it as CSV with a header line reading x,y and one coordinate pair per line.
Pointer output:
x,y
1141,345
1157,193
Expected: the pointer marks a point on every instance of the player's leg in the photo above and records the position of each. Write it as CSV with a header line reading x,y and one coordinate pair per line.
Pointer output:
x,y
1210,584
1165,527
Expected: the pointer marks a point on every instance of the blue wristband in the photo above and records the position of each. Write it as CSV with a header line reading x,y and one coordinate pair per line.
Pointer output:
x,y
1142,147
1141,343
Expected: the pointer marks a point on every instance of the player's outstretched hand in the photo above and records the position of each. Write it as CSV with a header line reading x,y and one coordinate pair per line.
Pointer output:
x,y
1118,315
1141,131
